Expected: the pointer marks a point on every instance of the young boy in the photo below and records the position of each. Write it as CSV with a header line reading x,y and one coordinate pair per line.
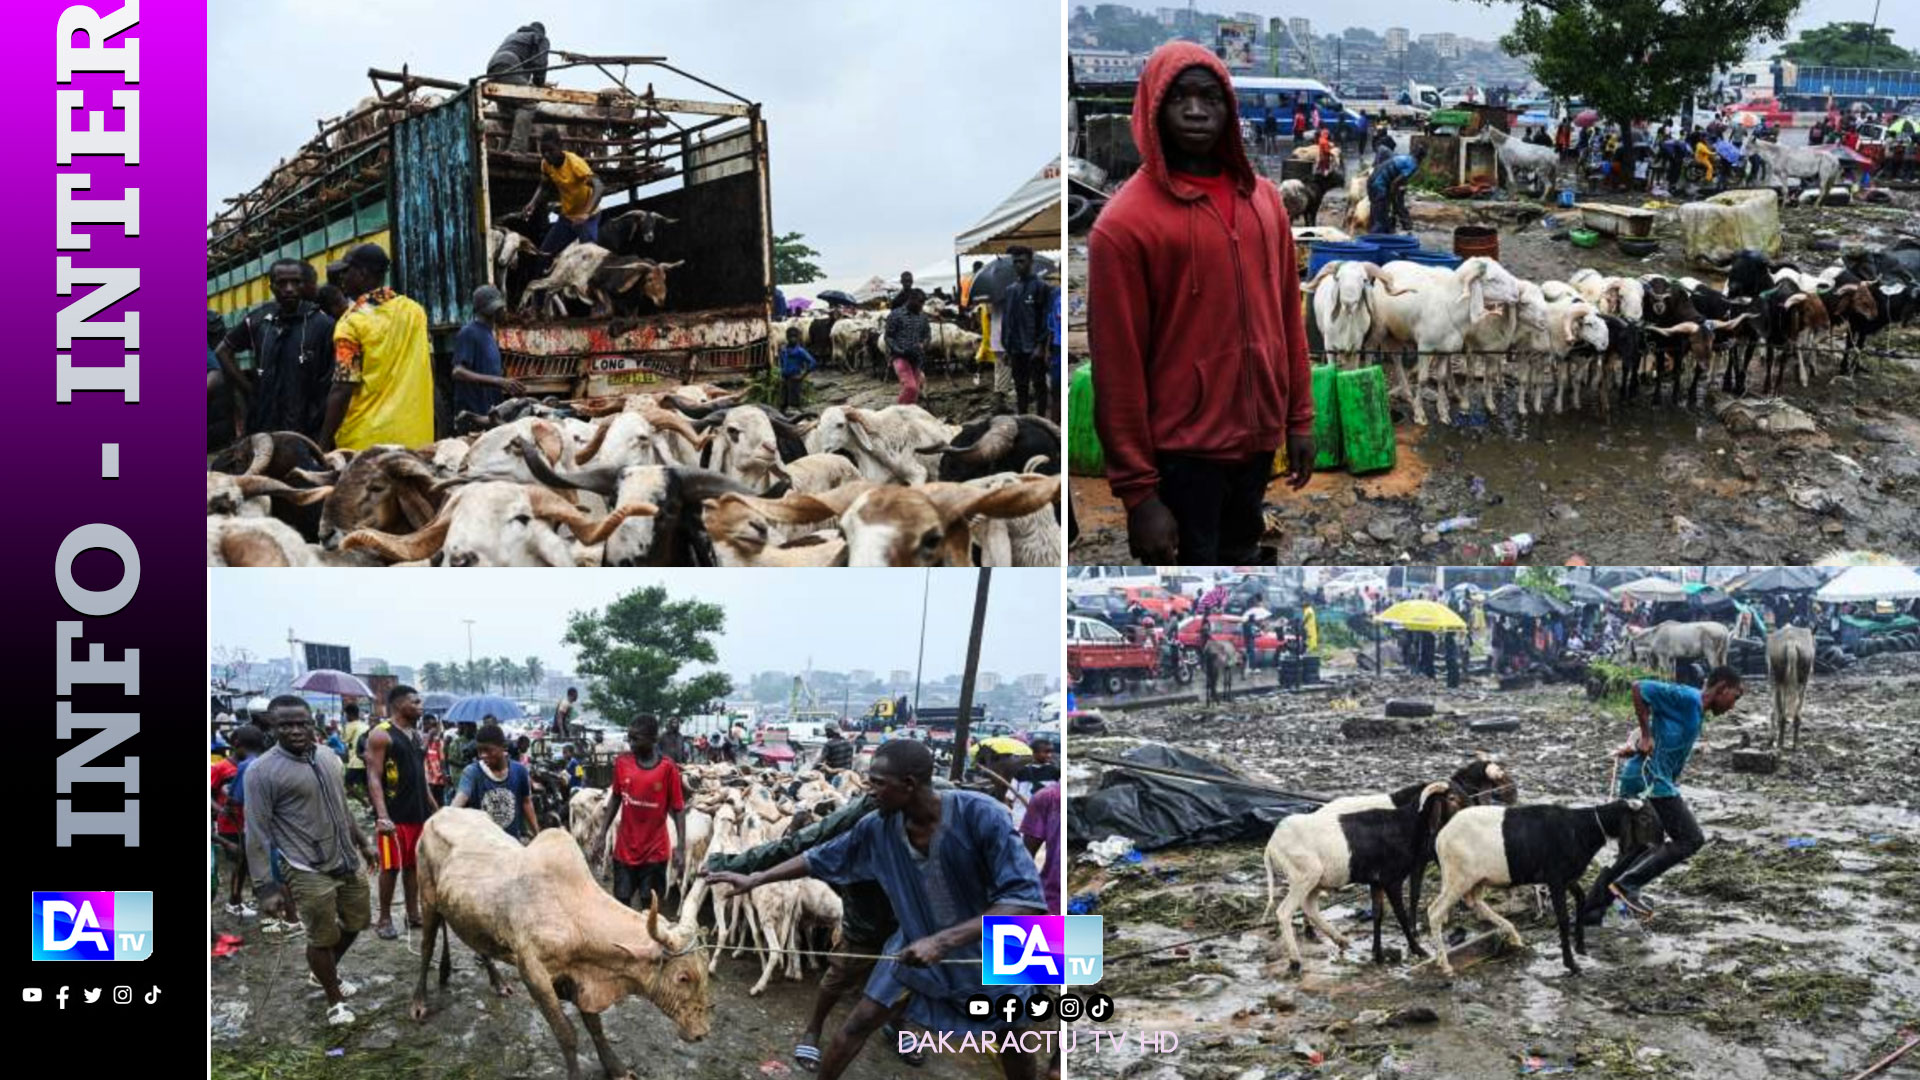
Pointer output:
x,y
500,786
796,363
1195,324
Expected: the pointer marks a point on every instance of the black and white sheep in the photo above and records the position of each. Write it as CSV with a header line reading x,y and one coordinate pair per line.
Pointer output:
x,y
1380,848
1530,845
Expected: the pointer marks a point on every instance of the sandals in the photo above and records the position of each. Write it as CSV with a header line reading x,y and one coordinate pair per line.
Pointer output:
x,y
807,1056
347,989
338,1014
386,932
915,1057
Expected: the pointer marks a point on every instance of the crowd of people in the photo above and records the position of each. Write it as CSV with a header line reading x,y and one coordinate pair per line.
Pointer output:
x,y
916,861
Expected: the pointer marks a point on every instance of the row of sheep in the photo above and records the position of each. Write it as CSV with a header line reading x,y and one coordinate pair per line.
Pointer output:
x,y
1599,331
502,900
1471,824
860,340
690,477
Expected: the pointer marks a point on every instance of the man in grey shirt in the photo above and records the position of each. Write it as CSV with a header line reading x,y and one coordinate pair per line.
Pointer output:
x,y
297,802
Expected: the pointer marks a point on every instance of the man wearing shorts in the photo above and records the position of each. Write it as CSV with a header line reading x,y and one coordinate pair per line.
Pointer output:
x,y
646,792
356,768
297,806
402,799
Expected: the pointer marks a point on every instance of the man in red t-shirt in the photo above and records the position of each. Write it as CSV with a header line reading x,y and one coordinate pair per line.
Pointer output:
x,y
229,820
646,791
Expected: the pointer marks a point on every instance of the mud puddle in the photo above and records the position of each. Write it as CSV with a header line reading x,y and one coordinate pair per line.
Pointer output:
x,y
1788,946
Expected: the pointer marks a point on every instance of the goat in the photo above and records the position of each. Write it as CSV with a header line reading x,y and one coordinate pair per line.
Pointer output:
x,y
1530,845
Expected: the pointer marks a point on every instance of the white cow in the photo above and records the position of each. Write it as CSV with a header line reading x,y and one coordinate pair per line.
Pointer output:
x,y
1670,642
1789,666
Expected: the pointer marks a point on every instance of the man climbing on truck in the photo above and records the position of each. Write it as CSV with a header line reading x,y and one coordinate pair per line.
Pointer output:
x,y
566,175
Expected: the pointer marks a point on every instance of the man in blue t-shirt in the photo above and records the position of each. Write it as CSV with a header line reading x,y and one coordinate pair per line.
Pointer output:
x,y
499,785
479,381
1670,718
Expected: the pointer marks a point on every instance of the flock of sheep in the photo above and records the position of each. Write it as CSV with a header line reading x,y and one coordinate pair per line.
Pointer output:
x,y
689,477
1604,333
858,340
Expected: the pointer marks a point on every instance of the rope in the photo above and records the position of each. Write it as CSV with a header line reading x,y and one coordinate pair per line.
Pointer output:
x,y
762,950
1137,953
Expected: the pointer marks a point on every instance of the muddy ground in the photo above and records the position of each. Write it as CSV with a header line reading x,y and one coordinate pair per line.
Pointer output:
x,y
951,396
269,1024
1764,959
1653,483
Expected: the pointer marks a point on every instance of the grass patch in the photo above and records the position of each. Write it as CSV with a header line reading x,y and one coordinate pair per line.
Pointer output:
x,y
1138,978
1734,1003
1615,1057
1753,874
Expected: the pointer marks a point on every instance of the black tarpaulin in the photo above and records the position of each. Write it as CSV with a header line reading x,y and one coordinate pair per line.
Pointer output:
x,y
1162,811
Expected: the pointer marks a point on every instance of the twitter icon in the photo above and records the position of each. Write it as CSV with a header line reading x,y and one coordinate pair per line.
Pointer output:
x,y
91,995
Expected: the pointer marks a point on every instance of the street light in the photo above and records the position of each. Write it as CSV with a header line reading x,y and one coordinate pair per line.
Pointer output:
x,y
469,623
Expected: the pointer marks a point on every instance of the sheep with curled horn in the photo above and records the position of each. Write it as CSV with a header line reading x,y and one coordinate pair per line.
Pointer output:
x,y
997,445
498,523
275,453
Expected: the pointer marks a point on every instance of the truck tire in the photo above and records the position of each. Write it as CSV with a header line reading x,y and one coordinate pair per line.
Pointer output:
x,y
1112,683
1401,708
1183,674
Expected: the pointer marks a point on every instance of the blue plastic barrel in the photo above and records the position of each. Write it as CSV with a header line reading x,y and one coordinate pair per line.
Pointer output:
x,y
1326,251
1391,245
1444,259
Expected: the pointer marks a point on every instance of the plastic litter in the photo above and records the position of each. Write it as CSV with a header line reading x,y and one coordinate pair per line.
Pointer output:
x,y
1800,843
1537,1066
1510,550
1106,852
775,1068
338,1051
1084,904
1453,524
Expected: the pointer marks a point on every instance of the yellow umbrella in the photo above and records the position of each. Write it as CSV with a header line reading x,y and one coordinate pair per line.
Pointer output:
x,y
1422,615
1000,744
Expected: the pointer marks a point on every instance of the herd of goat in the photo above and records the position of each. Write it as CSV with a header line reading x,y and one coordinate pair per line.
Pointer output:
x,y
1607,334
690,477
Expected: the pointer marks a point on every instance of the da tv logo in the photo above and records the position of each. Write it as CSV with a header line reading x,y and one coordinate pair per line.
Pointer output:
x,y
92,925
1043,950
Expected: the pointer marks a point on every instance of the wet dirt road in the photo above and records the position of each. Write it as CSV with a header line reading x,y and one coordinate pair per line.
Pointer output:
x,y
267,1022
1789,946
1654,483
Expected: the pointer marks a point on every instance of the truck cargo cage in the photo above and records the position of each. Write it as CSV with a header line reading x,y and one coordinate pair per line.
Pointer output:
x,y
428,166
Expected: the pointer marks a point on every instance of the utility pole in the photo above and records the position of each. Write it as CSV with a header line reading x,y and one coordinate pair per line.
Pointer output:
x,y
920,664
469,623
965,721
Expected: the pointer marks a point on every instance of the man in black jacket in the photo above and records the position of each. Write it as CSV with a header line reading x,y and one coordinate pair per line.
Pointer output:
x,y
292,345
521,60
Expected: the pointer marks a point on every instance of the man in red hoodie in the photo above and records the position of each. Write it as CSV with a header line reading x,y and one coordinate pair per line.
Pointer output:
x,y
1193,301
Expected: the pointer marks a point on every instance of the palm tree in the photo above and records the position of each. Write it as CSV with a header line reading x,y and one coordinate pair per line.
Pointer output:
x,y
433,676
507,672
534,669
477,676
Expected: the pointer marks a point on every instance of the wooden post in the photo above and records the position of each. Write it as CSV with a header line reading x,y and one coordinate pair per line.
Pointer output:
x,y
965,721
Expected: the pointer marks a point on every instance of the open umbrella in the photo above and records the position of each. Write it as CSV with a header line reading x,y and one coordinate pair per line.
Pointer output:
x,y
1421,615
798,304
1525,603
1651,588
1858,583
837,296
437,704
471,710
1783,579
1582,593
992,279
1586,118
329,681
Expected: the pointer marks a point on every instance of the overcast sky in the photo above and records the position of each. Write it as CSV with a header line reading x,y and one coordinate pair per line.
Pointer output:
x,y
776,620
892,126
1488,21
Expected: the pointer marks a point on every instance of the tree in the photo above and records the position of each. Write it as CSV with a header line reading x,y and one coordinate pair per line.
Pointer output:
x,y
535,671
1848,44
380,669
1542,579
793,260
433,675
477,672
1639,59
632,651
507,673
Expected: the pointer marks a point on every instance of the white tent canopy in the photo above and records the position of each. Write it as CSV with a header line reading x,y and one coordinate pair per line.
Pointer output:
x,y
1861,583
1651,588
1030,216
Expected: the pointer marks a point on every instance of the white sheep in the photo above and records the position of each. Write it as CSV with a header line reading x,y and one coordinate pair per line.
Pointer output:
x,y
1342,307
1430,309
883,443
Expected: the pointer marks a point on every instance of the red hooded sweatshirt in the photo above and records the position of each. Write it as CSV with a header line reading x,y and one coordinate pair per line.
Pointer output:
x,y
1194,325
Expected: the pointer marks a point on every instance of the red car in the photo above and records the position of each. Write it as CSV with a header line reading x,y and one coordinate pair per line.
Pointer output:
x,y
1266,643
1769,110
1157,601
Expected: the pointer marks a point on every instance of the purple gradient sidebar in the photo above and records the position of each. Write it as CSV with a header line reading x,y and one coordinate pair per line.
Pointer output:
x,y
59,453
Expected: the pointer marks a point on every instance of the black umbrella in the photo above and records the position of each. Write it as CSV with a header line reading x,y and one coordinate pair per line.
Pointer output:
x,y
1582,593
1783,579
835,296
1525,603
992,279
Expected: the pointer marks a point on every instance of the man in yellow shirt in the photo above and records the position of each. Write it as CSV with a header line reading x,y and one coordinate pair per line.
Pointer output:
x,y
382,363
567,175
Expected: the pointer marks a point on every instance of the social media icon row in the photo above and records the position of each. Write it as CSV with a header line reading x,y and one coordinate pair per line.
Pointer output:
x,y
1040,1006
122,995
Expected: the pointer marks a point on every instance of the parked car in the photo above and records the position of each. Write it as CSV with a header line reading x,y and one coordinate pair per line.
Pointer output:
x,y
1770,110
1102,660
1110,608
1266,643
1187,585
1097,580
1156,601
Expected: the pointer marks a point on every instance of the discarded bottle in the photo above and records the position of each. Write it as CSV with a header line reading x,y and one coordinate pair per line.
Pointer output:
x,y
1510,550
1454,524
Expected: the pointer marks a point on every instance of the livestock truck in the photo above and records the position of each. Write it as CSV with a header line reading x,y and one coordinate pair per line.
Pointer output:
x,y
426,167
